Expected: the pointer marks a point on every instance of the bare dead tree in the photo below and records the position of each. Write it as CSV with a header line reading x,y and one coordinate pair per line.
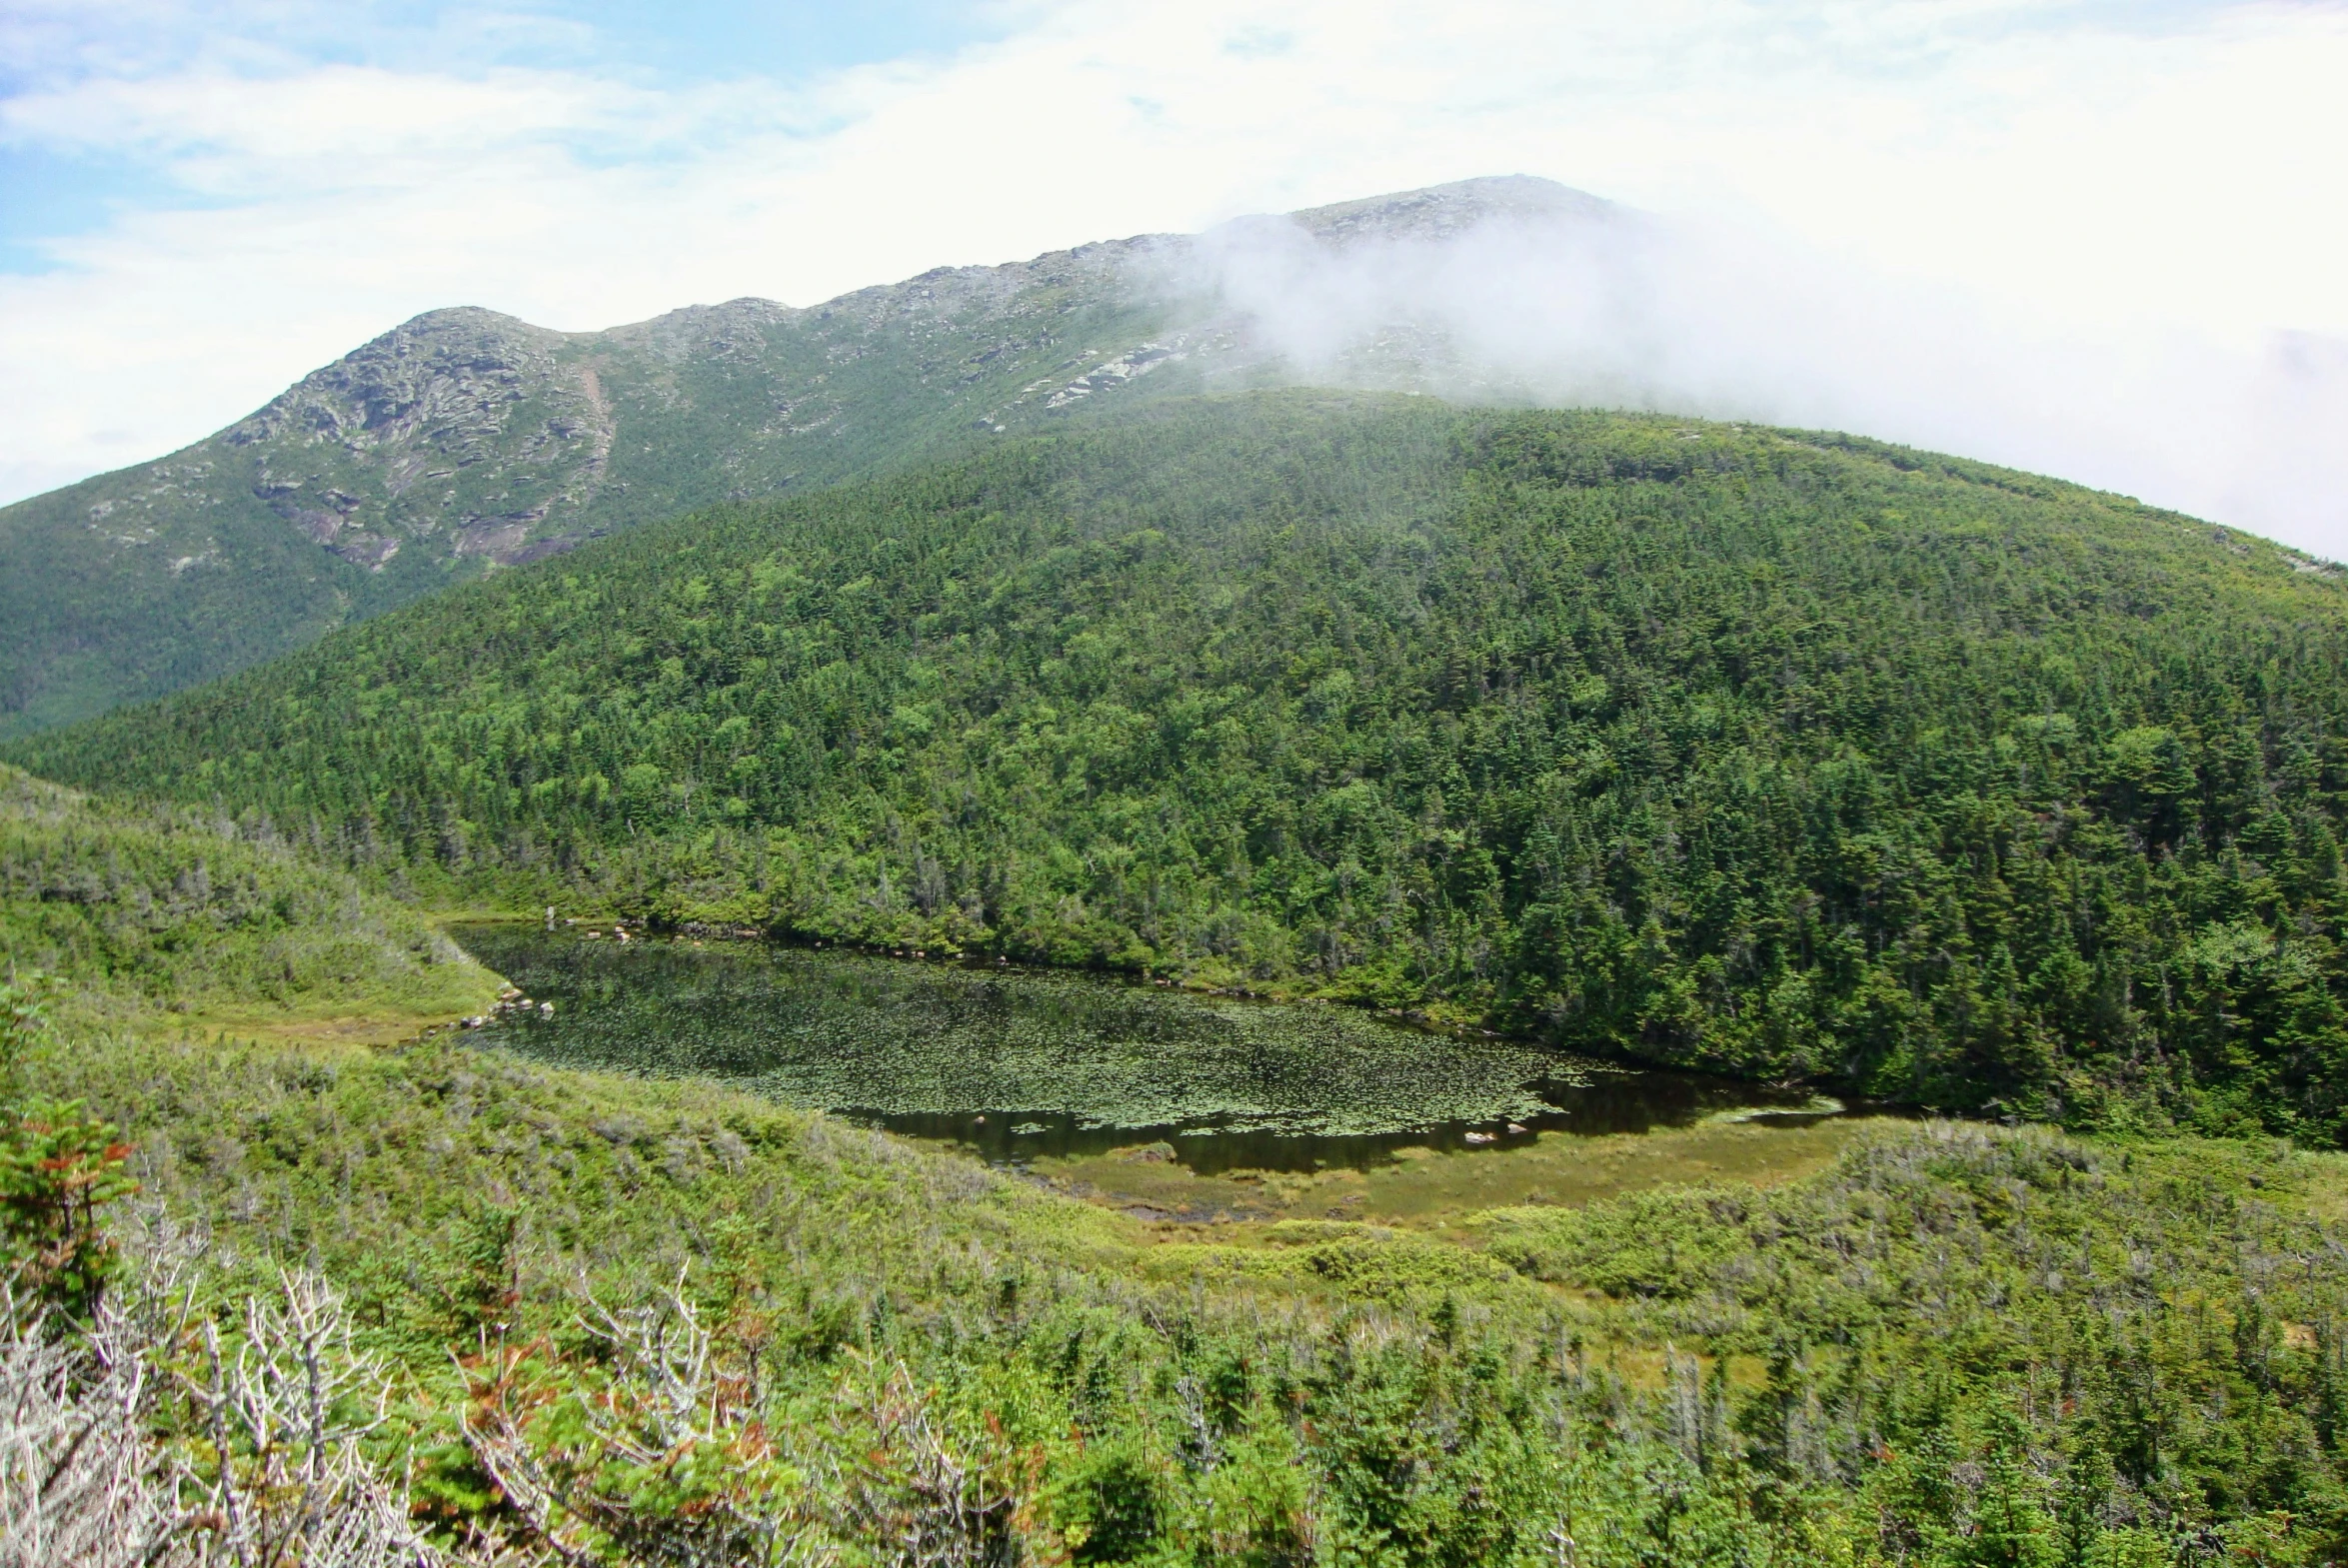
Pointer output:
x,y
100,1466
79,1482
682,1412
286,1403
669,1415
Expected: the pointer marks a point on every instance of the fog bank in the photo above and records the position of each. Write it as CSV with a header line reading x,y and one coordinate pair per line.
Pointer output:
x,y
1566,299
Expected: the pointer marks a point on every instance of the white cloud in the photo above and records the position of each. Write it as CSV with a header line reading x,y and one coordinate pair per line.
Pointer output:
x,y
1619,310
2086,226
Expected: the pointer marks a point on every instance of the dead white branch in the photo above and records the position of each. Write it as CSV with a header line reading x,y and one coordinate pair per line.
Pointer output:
x,y
98,1470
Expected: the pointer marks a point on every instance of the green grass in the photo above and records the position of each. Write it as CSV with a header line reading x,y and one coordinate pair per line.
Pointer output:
x,y
1424,1188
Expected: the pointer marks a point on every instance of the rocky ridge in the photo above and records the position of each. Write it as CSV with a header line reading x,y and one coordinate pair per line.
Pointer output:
x,y
464,439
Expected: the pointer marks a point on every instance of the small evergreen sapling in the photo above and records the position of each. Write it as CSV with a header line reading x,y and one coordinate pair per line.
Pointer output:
x,y
59,1169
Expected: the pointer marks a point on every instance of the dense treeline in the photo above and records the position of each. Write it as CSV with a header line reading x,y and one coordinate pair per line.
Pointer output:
x,y
1784,755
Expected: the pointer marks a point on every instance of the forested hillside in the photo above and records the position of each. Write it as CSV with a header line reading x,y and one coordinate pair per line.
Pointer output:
x,y
1780,754
464,439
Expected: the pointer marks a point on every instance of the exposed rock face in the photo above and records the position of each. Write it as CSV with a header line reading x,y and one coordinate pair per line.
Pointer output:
x,y
462,425
464,441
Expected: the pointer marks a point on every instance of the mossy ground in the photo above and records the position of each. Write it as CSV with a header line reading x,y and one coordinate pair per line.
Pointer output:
x,y
1431,1190
327,1027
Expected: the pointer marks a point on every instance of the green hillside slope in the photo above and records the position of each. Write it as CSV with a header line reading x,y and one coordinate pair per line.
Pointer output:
x,y
1959,1347
155,910
1728,746
464,439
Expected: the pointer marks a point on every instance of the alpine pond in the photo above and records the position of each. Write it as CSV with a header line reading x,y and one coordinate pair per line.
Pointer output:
x,y
1024,1064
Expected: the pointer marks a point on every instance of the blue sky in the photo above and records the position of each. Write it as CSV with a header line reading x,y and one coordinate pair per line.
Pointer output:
x,y
51,191
201,201
45,40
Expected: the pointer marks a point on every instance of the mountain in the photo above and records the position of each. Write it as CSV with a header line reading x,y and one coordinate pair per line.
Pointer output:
x,y
1786,754
464,441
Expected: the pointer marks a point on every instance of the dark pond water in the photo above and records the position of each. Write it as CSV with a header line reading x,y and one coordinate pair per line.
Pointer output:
x,y
1019,1064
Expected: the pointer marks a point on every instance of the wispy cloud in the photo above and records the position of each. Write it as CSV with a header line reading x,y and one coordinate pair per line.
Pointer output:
x,y
2079,191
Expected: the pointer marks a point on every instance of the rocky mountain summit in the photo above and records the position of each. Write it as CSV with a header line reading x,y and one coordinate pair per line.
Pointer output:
x,y
464,439
465,422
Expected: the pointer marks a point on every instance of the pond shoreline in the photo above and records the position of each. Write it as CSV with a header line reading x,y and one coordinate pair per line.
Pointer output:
x,y
1016,1063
